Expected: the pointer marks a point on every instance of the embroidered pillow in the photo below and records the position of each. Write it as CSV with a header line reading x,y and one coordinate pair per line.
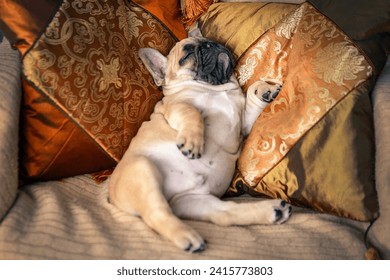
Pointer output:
x,y
314,145
86,91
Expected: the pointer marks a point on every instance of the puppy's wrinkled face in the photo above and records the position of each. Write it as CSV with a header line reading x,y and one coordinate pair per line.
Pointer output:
x,y
200,59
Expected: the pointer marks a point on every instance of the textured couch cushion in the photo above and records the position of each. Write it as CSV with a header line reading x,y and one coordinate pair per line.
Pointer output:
x,y
379,233
314,145
86,91
10,88
72,219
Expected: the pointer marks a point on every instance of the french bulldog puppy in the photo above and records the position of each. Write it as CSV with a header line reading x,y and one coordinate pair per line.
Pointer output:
x,y
183,159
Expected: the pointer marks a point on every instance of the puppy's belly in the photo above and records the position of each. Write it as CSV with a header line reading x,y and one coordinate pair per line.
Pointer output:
x,y
200,176
211,173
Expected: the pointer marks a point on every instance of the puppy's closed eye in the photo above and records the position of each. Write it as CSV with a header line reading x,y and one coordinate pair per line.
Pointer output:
x,y
184,59
189,51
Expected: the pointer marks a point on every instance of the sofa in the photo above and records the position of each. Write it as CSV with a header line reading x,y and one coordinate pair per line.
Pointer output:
x,y
70,217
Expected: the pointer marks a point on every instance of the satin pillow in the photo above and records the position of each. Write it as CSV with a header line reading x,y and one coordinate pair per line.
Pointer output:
x,y
238,25
314,145
86,91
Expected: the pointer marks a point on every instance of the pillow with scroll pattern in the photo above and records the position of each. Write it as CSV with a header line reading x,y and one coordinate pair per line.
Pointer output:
x,y
86,90
314,145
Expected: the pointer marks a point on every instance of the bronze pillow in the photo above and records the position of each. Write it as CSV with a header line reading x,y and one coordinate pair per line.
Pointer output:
x,y
314,145
86,91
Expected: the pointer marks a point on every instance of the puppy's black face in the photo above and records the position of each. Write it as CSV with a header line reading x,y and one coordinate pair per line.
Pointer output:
x,y
212,62
215,63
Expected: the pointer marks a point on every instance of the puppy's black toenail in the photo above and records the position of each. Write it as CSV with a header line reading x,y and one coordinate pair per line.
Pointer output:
x,y
200,249
188,248
198,156
278,214
289,209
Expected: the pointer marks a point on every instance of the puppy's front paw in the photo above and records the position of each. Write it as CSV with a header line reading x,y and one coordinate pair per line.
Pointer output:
x,y
190,143
267,90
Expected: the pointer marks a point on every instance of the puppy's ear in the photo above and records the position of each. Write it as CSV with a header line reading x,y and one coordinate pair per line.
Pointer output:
x,y
156,64
195,32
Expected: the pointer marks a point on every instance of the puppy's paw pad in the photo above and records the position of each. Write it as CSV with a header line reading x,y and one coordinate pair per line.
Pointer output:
x,y
270,96
267,90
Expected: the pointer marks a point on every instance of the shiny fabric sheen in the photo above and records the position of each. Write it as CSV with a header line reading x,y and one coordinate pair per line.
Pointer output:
x,y
23,20
313,145
331,168
238,25
52,145
168,12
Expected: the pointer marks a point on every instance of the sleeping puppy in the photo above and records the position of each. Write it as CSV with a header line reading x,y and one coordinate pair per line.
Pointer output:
x,y
182,161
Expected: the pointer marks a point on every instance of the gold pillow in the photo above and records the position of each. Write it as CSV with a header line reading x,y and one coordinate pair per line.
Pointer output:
x,y
238,25
314,145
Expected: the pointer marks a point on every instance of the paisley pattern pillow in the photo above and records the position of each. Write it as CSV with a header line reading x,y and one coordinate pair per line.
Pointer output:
x,y
314,145
86,90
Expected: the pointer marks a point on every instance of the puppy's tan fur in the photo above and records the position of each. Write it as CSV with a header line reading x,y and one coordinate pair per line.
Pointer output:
x,y
181,161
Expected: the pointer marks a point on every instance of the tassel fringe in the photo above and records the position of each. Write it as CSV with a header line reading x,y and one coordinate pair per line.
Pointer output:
x,y
193,9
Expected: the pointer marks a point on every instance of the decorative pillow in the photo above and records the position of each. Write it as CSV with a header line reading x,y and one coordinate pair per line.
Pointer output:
x,y
369,17
86,91
238,25
370,27
192,10
314,145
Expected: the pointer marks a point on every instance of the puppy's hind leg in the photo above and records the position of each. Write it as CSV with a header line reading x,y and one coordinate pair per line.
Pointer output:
x,y
135,187
228,213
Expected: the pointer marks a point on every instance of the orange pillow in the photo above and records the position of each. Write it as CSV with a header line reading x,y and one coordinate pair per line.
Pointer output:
x,y
314,144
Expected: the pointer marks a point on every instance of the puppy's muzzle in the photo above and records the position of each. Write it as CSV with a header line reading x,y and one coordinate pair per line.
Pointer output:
x,y
215,63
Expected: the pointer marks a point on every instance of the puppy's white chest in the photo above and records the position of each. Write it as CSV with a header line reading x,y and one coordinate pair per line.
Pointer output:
x,y
221,112
222,117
